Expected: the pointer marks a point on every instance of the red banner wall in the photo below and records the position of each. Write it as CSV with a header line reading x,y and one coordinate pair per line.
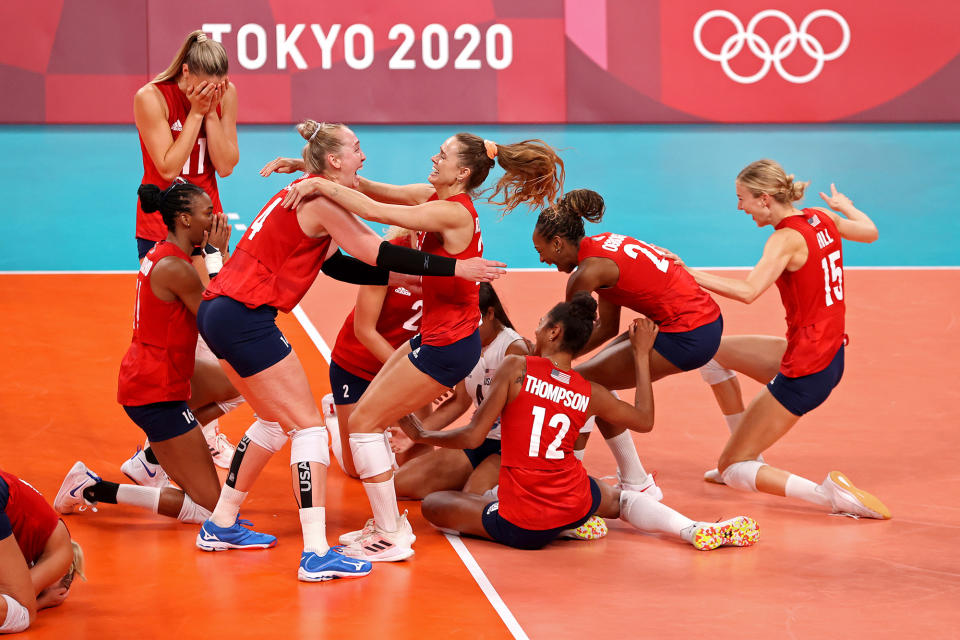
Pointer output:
x,y
497,61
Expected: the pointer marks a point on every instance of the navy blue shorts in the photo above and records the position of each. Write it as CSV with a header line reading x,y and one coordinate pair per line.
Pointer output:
x,y
806,393
689,350
163,420
448,364
144,246
6,529
489,447
246,338
347,388
507,533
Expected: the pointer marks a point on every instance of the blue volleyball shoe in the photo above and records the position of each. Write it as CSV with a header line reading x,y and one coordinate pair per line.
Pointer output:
x,y
332,564
238,536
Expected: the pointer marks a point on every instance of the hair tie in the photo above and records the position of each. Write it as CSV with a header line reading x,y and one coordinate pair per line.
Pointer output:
x,y
201,37
314,134
491,148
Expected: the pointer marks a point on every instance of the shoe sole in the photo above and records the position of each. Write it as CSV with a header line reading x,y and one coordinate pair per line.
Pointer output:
x,y
65,491
217,545
324,576
590,530
740,532
868,500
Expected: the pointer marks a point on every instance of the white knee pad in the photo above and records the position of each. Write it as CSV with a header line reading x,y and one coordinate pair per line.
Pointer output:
x,y
266,434
192,513
310,445
742,475
713,373
370,455
18,618
229,405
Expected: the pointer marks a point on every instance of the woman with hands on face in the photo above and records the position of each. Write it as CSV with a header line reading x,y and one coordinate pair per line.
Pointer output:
x,y
544,491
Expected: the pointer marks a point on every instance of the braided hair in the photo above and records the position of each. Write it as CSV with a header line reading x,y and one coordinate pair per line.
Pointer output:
x,y
177,198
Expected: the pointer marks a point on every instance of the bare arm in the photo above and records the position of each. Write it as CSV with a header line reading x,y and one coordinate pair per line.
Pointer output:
x,y
451,409
506,384
15,578
781,246
593,274
408,194
173,279
54,561
169,155
222,132
856,225
365,316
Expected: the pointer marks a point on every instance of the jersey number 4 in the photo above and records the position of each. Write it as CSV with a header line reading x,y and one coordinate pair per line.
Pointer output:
x,y
558,421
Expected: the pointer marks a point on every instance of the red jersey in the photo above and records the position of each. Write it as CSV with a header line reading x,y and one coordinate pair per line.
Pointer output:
x,y
813,296
542,484
31,518
198,169
651,284
399,321
451,306
159,363
275,262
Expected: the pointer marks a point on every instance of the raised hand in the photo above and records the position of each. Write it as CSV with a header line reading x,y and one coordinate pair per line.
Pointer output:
x,y
219,235
836,200
282,165
643,332
201,96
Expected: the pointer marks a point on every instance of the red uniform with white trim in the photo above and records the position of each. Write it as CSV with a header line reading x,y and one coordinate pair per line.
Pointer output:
x,y
813,296
542,484
31,518
275,262
399,321
198,169
451,306
651,284
159,363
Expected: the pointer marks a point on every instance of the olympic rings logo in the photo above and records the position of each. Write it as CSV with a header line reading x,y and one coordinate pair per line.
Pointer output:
x,y
760,48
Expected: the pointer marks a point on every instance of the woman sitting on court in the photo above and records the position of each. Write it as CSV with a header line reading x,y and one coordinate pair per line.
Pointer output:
x,y
542,403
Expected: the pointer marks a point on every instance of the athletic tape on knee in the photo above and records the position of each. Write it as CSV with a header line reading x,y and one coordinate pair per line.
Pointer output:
x,y
192,513
370,457
229,405
266,434
18,618
390,453
310,445
713,373
742,475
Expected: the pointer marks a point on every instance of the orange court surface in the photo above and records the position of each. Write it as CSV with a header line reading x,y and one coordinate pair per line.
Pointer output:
x,y
891,426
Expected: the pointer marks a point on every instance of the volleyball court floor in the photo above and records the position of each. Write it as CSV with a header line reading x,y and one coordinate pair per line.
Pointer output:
x,y
891,426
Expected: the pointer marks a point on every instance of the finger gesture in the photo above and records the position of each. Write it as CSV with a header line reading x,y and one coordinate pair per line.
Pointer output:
x,y
836,200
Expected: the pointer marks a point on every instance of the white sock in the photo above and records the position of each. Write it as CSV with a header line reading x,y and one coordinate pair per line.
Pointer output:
x,y
628,462
383,502
333,429
313,521
797,487
578,453
228,506
191,512
651,516
143,497
733,421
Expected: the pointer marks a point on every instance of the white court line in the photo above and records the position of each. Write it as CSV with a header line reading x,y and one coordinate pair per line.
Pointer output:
x,y
311,330
468,560
498,604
